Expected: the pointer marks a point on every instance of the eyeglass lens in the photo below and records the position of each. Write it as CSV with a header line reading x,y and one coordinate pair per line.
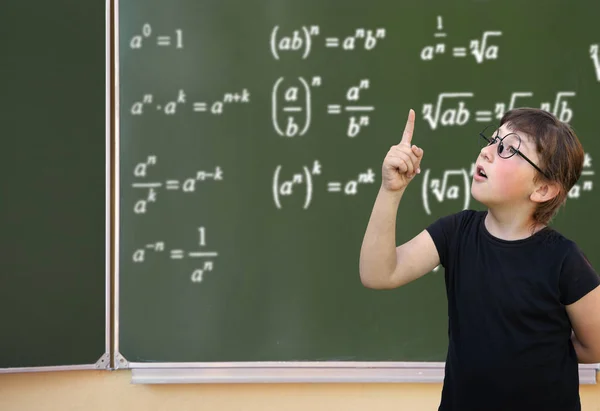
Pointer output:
x,y
507,146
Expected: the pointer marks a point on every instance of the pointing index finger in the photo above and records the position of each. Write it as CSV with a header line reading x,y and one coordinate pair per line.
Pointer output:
x,y
409,128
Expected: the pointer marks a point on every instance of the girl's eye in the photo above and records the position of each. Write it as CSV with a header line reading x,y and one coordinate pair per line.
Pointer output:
x,y
500,148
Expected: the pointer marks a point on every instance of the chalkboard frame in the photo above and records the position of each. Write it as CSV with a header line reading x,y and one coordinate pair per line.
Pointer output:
x,y
255,372
305,372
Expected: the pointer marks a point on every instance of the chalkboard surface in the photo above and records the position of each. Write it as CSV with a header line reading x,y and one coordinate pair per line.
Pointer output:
x,y
53,272
251,139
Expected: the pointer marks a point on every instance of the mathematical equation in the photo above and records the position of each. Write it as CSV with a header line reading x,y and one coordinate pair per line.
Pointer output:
x,y
170,107
480,49
300,41
458,115
294,101
137,41
595,59
287,187
206,256
186,185
454,185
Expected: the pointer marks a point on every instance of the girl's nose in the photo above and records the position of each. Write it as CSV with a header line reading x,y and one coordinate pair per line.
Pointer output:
x,y
487,152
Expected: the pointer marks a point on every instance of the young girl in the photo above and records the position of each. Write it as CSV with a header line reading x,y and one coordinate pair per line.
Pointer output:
x,y
523,300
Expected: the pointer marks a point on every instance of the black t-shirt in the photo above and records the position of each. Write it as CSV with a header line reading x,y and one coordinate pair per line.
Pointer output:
x,y
509,333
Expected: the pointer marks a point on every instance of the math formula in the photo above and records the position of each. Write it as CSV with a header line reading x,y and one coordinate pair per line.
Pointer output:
x,y
308,180
150,189
201,255
481,49
300,41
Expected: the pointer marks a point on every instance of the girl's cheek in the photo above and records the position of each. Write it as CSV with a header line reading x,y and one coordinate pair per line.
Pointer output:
x,y
509,181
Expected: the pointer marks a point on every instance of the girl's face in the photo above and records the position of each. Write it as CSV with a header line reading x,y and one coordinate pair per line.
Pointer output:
x,y
504,181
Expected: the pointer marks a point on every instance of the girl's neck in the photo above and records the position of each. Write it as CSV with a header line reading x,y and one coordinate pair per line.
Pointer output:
x,y
510,225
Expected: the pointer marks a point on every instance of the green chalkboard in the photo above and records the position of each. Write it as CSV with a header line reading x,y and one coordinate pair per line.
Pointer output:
x,y
241,216
52,270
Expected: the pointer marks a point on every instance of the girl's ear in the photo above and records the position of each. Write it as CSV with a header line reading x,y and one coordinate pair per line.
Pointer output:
x,y
545,191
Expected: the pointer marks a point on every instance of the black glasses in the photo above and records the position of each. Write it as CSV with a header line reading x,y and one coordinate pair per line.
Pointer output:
x,y
508,145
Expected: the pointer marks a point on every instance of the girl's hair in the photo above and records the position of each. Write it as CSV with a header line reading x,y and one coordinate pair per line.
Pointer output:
x,y
559,150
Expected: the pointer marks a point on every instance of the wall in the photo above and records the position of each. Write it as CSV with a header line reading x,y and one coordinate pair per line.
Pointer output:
x,y
104,390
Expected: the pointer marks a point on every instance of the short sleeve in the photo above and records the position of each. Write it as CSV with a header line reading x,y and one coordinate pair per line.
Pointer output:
x,y
443,231
577,276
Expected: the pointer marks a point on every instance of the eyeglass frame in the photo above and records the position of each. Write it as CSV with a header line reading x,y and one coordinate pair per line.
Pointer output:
x,y
517,151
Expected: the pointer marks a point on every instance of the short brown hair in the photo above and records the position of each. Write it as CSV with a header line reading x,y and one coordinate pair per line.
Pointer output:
x,y
559,150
